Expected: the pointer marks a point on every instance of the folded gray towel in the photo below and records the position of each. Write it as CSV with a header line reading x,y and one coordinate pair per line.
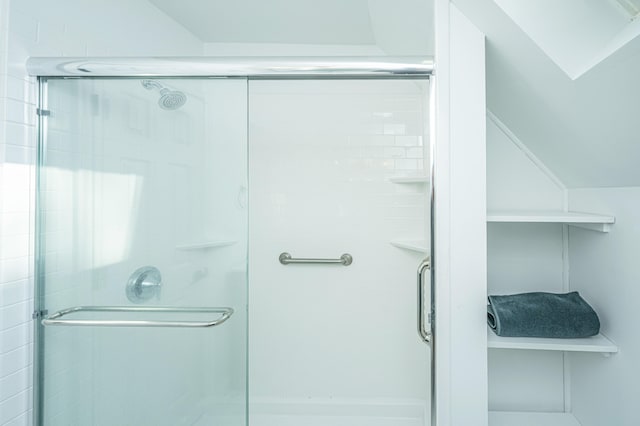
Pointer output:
x,y
542,315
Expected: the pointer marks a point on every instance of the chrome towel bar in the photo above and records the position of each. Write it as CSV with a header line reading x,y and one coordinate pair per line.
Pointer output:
x,y
285,258
57,318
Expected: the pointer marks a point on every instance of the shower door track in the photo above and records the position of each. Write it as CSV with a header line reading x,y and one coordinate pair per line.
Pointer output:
x,y
252,68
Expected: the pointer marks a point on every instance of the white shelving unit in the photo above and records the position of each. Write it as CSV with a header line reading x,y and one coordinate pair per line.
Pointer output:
x,y
409,179
413,245
509,418
594,222
596,344
204,245
599,343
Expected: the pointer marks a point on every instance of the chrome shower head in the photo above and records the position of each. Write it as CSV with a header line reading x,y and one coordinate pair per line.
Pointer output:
x,y
169,99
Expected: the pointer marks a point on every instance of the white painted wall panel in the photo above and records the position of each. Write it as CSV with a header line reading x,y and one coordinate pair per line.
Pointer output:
x,y
604,268
460,189
515,180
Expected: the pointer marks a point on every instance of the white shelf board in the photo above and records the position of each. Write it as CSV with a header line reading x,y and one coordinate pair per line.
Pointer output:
x,y
204,245
591,221
414,245
515,418
597,343
409,179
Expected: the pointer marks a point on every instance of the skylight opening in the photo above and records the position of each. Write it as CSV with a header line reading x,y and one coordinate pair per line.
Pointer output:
x,y
630,7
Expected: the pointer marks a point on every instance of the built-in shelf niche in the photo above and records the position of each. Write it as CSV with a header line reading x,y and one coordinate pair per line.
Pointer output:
x,y
598,344
419,246
204,245
409,179
594,222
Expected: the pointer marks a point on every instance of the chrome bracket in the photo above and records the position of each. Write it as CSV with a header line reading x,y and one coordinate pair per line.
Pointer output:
x,y
39,314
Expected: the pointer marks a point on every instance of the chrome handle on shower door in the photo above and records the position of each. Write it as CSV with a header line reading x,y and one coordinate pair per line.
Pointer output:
x,y
425,335
57,319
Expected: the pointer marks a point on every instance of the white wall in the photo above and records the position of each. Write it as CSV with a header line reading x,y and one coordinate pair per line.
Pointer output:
x,y
460,220
283,49
604,268
320,155
41,28
516,179
523,258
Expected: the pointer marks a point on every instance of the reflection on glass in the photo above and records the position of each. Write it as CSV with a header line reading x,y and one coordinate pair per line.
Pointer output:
x,y
127,183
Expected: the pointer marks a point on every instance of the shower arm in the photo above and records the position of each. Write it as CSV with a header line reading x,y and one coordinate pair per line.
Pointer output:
x,y
152,84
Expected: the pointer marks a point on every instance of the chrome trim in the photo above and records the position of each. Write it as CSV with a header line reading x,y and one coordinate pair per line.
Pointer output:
x,y
55,319
425,334
285,258
258,67
39,263
432,243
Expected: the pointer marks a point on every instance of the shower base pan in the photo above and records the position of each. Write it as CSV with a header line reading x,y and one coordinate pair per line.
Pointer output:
x,y
324,412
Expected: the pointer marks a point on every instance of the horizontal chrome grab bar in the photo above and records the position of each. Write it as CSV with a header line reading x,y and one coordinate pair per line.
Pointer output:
x,y
56,318
285,258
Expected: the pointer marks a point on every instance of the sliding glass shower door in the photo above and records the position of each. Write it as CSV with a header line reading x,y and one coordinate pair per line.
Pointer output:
x,y
142,252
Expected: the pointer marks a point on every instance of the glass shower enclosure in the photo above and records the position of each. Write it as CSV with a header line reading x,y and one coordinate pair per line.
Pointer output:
x,y
142,242
142,252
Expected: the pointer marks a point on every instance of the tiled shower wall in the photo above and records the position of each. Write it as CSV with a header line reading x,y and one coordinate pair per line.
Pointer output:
x,y
41,28
329,339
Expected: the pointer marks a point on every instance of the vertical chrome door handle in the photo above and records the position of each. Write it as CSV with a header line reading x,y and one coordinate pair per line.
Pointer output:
x,y
425,334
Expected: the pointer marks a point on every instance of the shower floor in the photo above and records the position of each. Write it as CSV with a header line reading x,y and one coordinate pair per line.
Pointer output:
x,y
273,420
296,420
324,413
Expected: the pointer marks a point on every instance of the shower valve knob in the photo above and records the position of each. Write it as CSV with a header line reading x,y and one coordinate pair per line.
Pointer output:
x,y
143,284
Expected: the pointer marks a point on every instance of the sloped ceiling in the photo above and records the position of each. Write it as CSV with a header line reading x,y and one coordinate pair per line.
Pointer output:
x,y
584,130
398,27
591,29
273,21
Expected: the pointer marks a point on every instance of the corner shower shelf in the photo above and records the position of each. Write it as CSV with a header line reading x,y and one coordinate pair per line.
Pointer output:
x,y
409,179
594,222
204,245
598,344
413,245
515,418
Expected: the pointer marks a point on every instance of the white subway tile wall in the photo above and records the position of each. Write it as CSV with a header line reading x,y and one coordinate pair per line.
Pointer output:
x,y
321,156
42,28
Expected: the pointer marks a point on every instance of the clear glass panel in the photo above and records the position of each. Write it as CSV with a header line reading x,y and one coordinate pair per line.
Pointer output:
x,y
127,183
338,166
